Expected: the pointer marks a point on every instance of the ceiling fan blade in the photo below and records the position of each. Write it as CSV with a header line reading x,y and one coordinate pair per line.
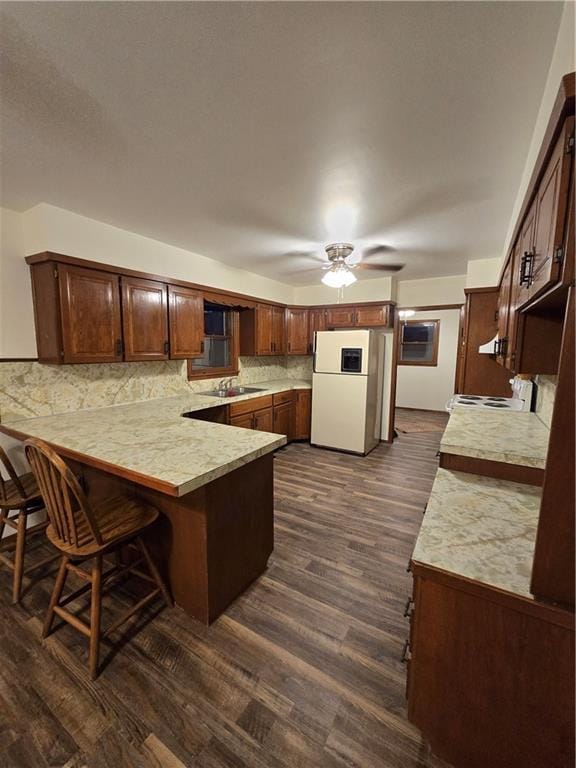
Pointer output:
x,y
377,250
381,267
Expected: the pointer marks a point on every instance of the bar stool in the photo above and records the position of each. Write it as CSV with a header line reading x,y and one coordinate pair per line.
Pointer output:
x,y
19,497
81,532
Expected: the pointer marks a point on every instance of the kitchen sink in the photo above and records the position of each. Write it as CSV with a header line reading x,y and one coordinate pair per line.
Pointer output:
x,y
232,391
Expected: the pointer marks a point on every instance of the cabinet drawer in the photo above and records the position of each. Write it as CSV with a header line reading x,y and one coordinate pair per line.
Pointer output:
x,y
249,406
283,397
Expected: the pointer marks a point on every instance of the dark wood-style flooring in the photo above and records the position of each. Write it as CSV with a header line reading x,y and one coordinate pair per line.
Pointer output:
x,y
303,670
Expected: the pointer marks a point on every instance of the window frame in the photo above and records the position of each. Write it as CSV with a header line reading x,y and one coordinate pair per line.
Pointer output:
x,y
195,374
433,363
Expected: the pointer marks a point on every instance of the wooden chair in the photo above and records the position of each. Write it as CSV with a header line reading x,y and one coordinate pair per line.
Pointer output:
x,y
19,497
81,532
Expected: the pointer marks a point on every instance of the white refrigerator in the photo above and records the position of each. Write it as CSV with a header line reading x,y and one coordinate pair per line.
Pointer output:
x,y
347,390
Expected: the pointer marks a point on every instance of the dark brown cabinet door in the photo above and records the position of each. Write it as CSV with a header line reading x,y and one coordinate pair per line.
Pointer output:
x,y
263,420
283,416
145,319
278,330
504,307
524,258
372,316
186,321
316,322
302,414
263,329
551,208
245,420
297,331
340,317
91,318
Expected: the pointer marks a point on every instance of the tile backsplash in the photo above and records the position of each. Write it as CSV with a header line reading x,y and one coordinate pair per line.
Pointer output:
x,y
30,389
545,398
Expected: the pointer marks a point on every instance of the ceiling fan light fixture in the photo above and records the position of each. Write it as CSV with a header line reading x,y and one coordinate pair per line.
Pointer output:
x,y
339,276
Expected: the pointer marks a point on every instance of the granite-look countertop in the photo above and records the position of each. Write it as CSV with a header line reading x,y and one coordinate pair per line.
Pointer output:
x,y
152,439
511,437
481,528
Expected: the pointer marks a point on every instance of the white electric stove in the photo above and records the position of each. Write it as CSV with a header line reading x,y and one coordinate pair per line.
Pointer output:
x,y
520,401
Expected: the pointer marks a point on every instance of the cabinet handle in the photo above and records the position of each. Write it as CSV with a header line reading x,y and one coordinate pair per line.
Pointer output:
x,y
166,347
526,268
497,347
504,346
408,607
406,653
118,346
202,347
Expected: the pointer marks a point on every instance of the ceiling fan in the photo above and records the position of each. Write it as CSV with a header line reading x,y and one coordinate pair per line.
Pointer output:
x,y
343,260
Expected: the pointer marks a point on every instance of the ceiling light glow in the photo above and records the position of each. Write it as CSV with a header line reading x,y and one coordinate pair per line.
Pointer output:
x,y
339,276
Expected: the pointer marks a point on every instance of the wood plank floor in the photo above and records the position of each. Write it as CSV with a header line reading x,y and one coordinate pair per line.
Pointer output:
x,y
302,671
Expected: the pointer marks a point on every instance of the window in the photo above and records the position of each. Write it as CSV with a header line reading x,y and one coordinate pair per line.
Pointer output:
x,y
220,357
419,342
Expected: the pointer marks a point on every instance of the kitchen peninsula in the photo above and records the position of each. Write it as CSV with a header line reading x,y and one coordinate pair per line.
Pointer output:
x,y
213,483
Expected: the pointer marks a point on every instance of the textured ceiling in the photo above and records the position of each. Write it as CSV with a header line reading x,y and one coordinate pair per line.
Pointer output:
x,y
253,133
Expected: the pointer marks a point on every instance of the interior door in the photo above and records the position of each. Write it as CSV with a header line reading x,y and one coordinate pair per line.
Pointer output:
x,y
186,321
145,319
297,331
91,317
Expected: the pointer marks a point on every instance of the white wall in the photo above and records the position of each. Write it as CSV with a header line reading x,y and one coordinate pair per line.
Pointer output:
x,y
427,387
483,273
47,228
562,63
16,314
378,289
435,290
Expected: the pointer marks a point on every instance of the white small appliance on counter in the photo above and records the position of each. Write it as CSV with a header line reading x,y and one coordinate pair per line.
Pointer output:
x,y
347,390
521,399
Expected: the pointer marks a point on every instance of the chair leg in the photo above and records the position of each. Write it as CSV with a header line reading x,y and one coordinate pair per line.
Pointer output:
x,y
154,571
95,610
19,557
56,594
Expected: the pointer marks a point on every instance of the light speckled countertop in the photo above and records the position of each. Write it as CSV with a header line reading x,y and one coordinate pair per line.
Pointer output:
x,y
481,528
152,439
510,437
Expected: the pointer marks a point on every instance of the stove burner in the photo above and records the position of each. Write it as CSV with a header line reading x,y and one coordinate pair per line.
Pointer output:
x,y
497,399
497,405
469,397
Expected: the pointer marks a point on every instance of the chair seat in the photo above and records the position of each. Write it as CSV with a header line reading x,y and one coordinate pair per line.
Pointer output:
x,y
13,499
117,518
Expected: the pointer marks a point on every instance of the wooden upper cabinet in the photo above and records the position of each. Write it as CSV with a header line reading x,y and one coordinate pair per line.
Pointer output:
x,y
551,209
278,330
263,329
90,314
340,317
297,337
372,316
145,319
316,322
504,303
186,322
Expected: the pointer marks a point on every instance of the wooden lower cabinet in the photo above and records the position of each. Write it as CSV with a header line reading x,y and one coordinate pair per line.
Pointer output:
x,y
244,420
264,420
283,419
490,680
302,414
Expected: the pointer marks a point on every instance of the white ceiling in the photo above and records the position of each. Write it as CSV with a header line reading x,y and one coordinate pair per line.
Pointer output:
x,y
255,132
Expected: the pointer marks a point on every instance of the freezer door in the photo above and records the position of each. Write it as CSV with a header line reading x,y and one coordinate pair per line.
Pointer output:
x,y
340,351
339,411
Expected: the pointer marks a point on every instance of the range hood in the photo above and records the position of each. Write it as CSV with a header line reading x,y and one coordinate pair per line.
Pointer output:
x,y
488,348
